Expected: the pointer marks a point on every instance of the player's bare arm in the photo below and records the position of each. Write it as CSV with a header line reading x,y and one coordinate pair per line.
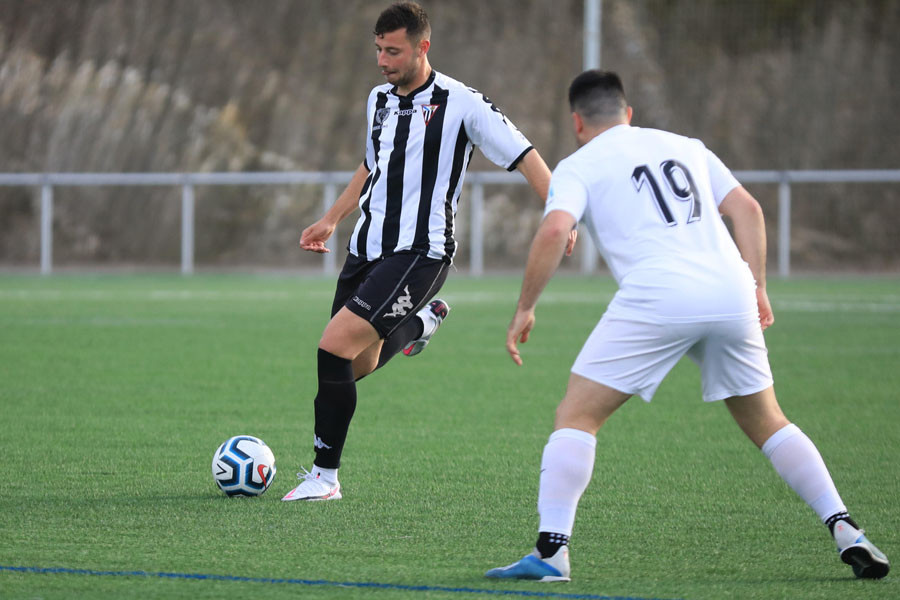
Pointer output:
x,y
537,174
543,260
750,236
314,237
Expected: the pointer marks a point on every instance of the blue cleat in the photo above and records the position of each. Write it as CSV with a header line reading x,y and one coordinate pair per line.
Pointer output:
x,y
856,550
533,567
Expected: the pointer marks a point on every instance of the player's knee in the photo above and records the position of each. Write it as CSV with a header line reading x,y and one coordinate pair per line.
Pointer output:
x,y
576,415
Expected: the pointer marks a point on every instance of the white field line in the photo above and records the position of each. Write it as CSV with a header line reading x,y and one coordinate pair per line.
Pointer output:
x,y
841,304
116,322
147,295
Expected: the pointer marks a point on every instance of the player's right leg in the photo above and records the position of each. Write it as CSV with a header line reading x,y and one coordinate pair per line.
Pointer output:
x,y
798,462
345,337
566,467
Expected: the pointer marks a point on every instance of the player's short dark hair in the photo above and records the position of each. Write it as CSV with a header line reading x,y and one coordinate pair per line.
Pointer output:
x,y
404,15
597,96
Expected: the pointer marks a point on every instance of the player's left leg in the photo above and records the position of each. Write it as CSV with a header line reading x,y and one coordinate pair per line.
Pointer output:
x,y
406,318
566,467
619,359
367,360
411,338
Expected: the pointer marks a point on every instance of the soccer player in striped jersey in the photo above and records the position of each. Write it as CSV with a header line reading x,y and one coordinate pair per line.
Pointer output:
x,y
652,200
422,129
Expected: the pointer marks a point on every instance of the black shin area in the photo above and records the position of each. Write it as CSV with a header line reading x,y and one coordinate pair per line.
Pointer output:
x,y
335,403
400,339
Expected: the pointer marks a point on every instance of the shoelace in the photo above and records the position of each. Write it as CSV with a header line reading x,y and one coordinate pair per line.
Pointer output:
x,y
304,474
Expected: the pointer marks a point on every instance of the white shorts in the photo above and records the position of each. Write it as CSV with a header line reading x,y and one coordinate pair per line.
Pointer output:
x,y
634,357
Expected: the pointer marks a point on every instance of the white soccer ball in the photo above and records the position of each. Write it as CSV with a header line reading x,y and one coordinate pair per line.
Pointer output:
x,y
243,466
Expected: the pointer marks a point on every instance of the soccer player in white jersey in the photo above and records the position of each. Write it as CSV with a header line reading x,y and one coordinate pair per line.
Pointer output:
x,y
422,128
652,201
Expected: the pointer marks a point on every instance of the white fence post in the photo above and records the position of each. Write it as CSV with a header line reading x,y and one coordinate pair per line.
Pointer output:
x,y
46,229
784,227
476,233
187,229
592,47
329,261
588,251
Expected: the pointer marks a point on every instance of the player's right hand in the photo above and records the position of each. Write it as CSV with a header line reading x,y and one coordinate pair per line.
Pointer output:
x,y
519,329
766,317
314,237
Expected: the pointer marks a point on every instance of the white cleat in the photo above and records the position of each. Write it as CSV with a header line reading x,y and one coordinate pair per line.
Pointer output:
x,y
856,550
535,568
432,316
312,488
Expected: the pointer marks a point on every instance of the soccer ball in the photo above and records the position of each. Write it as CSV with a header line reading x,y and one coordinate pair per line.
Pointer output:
x,y
243,466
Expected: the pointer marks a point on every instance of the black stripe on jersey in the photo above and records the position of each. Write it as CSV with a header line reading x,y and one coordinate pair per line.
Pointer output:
x,y
363,236
519,158
430,157
459,159
393,208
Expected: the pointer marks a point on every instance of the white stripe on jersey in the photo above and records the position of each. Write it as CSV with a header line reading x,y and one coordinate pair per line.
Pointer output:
x,y
417,151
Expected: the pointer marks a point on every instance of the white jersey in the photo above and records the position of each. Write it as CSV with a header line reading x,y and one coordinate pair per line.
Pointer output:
x,y
650,200
417,151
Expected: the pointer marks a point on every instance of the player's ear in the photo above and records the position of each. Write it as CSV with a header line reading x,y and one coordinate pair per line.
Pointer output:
x,y
577,123
628,113
424,45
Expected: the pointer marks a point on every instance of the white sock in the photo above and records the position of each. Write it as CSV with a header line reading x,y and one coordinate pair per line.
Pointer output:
x,y
327,475
799,463
566,469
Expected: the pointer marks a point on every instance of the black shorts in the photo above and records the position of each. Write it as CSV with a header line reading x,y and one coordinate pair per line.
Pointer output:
x,y
388,291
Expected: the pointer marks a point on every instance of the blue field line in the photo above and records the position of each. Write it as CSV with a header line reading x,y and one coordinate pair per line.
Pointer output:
x,y
352,584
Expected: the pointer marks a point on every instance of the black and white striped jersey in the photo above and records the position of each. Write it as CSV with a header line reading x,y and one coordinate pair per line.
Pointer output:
x,y
417,152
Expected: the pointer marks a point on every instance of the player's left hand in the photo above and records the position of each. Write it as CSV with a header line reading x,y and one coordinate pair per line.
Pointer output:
x,y
519,329
570,245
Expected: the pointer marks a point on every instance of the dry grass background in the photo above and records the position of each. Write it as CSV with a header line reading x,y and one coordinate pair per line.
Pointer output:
x,y
212,85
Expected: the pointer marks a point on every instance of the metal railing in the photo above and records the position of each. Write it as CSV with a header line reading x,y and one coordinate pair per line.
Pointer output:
x,y
330,180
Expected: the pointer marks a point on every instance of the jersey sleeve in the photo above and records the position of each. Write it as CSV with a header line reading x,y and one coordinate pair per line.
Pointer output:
x,y
568,192
720,177
489,129
369,159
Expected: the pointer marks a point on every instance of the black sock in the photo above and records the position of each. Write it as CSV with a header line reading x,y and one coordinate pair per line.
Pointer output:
x,y
842,516
549,543
335,403
402,336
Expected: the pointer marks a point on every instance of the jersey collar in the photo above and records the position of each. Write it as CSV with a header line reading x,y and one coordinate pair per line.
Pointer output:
x,y
421,88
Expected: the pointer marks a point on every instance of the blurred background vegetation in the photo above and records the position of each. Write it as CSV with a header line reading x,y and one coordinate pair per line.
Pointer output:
x,y
230,85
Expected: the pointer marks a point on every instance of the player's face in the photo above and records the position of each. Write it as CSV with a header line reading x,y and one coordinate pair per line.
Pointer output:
x,y
398,60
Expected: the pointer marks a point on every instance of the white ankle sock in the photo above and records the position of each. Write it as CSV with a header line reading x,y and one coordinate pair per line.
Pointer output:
x,y
328,475
799,463
566,468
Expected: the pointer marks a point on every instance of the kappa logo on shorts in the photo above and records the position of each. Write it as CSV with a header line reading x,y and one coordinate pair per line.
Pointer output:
x,y
402,305
362,303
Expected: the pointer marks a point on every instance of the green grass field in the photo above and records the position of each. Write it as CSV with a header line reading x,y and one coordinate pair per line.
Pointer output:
x,y
116,390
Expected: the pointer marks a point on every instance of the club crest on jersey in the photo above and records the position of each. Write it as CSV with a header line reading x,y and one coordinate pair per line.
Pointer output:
x,y
428,111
